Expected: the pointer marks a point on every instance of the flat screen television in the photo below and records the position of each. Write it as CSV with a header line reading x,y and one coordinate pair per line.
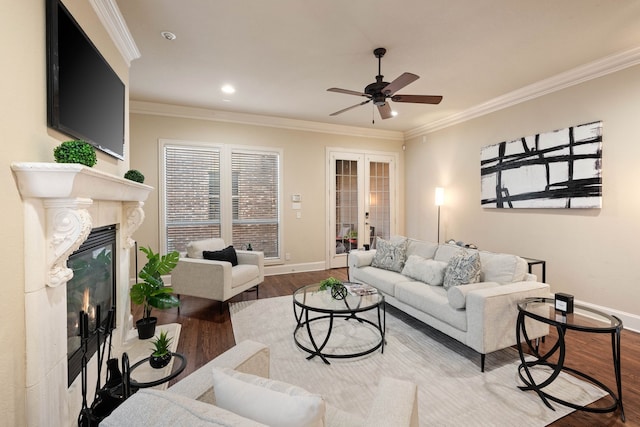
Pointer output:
x,y
85,97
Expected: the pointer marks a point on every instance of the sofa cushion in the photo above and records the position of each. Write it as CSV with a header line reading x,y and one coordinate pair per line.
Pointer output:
x,y
383,280
457,295
420,248
165,409
446,251
502,268
463,268
267,401
433,301
390,255
227,254
427,271
195,248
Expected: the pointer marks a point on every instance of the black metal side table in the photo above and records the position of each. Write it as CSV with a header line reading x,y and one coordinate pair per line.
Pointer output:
x,y
533,261
135,385
583,319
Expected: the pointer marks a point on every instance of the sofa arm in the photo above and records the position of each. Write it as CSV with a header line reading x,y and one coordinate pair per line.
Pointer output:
x,y
492,315
359,258
195,277
395,404
250,357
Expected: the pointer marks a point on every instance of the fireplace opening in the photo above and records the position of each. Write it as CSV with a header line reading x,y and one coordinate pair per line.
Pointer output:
x,y
93,284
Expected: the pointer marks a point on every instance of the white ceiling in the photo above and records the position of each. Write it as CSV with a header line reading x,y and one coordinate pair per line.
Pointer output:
x,y
282,55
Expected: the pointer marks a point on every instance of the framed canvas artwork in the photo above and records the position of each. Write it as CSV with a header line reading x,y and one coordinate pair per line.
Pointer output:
x,y
558,169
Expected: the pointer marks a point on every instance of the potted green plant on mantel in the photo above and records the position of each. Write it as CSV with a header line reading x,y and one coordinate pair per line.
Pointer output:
x,y
335,286
161,355
151,292
76,151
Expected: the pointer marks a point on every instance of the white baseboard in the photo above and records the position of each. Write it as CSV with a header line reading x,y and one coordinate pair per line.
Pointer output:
x,y
630,321
274,270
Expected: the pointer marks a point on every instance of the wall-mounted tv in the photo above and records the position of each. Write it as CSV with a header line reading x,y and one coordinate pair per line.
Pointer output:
x,y
85,97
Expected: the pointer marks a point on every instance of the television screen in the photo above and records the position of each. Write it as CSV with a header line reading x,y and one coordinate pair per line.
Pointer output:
x,y
85,97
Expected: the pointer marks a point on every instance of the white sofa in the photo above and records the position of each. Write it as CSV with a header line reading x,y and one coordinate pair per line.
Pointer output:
x,y
480,315
216,280
192,401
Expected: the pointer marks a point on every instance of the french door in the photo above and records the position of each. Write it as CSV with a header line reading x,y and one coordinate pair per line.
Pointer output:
x,y
362,202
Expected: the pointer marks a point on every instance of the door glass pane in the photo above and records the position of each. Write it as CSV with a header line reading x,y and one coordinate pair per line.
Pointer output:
x,y
379,201
346,205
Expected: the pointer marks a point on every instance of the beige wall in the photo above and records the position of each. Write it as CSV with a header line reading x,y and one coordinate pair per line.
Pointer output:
x,y
25,137
590,253
303,165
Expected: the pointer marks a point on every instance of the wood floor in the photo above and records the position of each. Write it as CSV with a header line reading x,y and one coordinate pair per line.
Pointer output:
x,y
206,333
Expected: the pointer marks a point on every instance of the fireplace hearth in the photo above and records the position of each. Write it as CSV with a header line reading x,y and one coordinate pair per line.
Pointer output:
x,y
93,285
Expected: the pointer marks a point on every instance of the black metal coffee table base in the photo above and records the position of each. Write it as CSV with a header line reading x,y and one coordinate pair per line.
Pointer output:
x,y
319,344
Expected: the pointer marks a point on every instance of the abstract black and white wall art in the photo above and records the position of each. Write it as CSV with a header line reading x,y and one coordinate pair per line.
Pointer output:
x,y
559,169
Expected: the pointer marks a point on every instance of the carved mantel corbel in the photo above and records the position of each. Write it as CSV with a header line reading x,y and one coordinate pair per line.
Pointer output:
x,y
68,226
134,216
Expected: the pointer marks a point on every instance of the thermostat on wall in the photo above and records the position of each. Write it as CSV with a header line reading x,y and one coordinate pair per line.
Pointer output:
x,y
296,198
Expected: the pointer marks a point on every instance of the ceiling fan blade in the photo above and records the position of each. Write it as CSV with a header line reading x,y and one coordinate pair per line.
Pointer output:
x,y
385,111
349,108
347,91
418,99
399,83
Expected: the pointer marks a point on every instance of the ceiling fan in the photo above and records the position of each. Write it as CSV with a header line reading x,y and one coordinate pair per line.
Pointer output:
x,y
380,91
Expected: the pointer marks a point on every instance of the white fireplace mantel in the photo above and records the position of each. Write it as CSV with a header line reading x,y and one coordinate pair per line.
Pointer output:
x,y
72,180
62,203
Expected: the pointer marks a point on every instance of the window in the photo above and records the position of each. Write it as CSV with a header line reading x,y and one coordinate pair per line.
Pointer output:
x,y
222,192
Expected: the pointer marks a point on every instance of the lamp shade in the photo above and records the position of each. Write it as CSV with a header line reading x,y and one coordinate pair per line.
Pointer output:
x,y
439,196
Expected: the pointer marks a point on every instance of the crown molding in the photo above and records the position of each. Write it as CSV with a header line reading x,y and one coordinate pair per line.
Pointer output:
x,y
602,67
111,18
156,109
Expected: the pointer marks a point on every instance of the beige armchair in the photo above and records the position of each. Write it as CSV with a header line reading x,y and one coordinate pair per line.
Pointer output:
x,y
216,280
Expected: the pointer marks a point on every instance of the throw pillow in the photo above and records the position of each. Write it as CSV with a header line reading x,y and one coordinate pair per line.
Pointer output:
x,y
390,256
195,248
457,295
425,270
463,268
227,254
267,401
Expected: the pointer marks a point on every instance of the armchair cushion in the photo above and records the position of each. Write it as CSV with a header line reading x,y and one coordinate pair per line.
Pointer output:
x,y
195,248
267,401
227,254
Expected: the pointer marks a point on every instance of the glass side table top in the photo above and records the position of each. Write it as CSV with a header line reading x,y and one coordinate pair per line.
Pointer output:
x,y
582,318
311,298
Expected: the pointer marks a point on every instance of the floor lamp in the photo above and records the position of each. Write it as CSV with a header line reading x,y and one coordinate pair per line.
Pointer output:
x,y
439,202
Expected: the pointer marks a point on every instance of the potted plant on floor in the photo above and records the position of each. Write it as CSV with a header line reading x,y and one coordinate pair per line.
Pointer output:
x,y
161,355
151,292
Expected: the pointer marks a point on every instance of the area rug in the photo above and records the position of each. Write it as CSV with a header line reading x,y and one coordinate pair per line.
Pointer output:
x,y
451,389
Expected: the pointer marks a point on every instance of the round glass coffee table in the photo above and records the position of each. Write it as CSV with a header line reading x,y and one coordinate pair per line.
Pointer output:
x,y
583,319
313,308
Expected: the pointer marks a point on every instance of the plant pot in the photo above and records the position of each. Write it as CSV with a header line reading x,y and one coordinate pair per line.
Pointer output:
x,y
338,292
146,327
158,362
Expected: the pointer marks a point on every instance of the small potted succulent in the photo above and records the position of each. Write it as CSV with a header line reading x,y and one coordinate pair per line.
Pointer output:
x,y
335,286
76,151
134,175
161,355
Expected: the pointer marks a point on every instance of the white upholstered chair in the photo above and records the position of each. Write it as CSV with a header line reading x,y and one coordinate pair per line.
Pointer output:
x,y
216,280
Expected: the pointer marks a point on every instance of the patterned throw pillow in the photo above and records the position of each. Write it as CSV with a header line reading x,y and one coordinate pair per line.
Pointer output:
x,y
389,256
463,268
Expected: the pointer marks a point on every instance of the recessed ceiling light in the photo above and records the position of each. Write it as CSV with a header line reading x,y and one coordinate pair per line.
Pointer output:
x,y
394,113
228,89
168,35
